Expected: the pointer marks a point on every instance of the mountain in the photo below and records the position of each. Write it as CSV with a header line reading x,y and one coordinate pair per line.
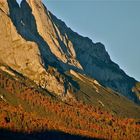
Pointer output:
x,y
53,79
51,43
30,112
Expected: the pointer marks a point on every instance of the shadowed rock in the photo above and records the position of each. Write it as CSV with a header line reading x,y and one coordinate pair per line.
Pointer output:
x,y
60,47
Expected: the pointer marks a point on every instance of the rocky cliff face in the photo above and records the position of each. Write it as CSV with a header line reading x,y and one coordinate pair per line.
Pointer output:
x,y
22,55
32,39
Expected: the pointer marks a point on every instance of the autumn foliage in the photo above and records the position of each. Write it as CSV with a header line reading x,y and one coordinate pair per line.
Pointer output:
x,y
30,110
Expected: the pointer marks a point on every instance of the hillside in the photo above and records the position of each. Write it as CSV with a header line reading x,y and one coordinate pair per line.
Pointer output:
x,y
56,84
27,109
34,30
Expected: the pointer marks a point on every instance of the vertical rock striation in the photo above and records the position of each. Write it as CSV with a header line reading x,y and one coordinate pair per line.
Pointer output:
x,y
32,39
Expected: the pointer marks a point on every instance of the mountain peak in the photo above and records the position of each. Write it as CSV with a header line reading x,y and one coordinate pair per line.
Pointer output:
x,y
52,78
33,3
59,47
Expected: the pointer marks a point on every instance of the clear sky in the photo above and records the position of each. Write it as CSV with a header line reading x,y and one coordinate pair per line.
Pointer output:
x,y
115,23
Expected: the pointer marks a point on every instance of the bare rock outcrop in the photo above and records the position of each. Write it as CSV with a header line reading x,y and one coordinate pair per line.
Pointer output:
x,y
4,6
32,39
24,56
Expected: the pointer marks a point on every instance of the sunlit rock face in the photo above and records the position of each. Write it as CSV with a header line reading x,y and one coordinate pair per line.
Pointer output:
x,y
32,38
23,55
4,6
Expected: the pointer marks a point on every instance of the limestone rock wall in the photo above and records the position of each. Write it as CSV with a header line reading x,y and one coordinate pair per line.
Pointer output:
x,y
32,39
24,57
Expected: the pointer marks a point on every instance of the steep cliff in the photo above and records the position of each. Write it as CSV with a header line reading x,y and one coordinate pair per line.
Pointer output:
x,y
96,62
22,55
34,39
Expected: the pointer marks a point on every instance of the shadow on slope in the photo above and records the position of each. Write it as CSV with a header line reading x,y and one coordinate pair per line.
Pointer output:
x,y
48,135
25,23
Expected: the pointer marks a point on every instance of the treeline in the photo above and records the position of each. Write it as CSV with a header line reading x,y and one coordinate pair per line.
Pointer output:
x,y
31,111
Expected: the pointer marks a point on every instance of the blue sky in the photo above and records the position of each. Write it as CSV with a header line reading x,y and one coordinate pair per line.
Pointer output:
x,y
115,23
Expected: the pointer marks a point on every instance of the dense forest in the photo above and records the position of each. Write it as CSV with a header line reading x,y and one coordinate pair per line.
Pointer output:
x,y
29,110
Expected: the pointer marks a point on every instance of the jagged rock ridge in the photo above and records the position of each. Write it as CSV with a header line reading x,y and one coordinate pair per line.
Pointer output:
x,y
46,40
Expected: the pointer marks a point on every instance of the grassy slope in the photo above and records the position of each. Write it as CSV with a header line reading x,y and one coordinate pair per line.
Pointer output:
x,y
105,98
